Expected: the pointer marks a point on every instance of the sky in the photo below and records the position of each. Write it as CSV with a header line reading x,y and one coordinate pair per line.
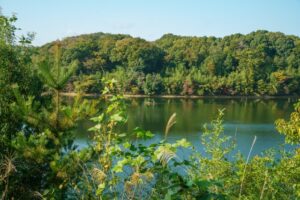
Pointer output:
x,y
150,19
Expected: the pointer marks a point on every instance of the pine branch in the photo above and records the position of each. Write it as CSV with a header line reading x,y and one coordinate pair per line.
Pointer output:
x,y
66,75
46,75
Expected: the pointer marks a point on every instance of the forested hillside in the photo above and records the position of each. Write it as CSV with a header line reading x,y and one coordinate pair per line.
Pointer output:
x,y
259,63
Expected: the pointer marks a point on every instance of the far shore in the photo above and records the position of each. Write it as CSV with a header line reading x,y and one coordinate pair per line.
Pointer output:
x,y
72,94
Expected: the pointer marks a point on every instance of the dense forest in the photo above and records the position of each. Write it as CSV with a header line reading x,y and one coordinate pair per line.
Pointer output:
x,y
38,157
260,63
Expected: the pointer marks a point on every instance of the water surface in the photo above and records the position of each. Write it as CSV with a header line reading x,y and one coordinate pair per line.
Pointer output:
x,y
244,119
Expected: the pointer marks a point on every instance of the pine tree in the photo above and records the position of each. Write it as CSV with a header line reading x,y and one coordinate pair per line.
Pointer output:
x,y
46,142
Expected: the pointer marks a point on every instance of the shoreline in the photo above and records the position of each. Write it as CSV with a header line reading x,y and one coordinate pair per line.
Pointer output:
x,y
72,94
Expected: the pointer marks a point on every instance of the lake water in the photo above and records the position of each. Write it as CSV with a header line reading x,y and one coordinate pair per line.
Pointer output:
x,y
244,119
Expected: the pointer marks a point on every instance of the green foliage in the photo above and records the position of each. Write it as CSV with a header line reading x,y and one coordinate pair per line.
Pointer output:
x,y
130,170
45,142
116,166
260,63
14,69
153,84
291,128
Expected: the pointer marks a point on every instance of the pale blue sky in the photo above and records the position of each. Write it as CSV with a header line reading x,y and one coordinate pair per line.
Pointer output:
x,y
55,19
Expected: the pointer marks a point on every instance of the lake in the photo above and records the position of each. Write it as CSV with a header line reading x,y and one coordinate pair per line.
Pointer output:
x,y
244,119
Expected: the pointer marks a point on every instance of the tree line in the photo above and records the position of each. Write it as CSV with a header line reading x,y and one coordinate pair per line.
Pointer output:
x,y
260,63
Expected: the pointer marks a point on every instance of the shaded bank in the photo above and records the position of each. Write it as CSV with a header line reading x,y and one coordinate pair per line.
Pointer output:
x,y
73,94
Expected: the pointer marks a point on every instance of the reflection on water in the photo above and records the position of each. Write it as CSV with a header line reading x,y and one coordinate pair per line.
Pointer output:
x,y
244,118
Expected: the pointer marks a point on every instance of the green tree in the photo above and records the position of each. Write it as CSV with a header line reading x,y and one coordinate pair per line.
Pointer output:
x,y
46,149
15,68
153,84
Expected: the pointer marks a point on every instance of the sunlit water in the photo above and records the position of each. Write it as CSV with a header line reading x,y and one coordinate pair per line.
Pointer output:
x,y
244,119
